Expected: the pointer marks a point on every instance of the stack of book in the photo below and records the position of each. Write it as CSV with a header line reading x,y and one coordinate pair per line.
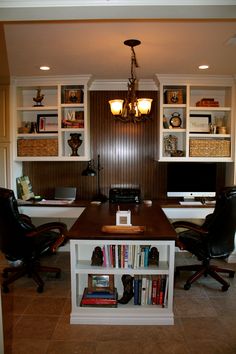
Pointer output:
x,y
207,102
99,298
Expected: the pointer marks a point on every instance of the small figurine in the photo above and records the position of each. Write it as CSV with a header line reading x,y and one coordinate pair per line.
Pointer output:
x,y
153,258
97,257
38,99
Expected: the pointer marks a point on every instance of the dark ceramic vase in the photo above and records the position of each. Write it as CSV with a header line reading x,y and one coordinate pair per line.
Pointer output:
x,y
74,142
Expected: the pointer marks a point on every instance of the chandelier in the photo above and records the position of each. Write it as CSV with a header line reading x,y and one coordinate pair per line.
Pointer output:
x,y
132,109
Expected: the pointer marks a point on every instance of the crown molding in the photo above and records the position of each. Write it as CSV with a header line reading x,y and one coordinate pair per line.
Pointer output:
x,y
113,85
32,10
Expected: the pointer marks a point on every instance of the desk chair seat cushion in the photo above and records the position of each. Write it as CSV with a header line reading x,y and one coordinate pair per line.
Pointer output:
x,y
194,243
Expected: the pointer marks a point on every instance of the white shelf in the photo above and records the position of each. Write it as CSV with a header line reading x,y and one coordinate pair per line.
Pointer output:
x,y
213,109
37,108
37,135
129,314
72,105
83,267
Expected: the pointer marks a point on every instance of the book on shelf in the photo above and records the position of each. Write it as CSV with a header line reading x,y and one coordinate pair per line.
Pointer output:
x,y
136,290
98,295
162,290
99,298
98,301
144,290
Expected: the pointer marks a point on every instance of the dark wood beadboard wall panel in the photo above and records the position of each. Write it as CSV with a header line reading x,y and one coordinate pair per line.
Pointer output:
x,y
127,152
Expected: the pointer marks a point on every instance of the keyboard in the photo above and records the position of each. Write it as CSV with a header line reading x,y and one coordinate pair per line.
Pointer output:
x,y
207,202
55,202
191,203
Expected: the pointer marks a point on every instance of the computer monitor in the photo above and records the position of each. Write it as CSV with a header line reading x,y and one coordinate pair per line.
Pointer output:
x,y
189,180
65,193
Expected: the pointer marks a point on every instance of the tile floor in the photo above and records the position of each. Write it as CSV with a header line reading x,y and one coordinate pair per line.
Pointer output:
x,y
205,320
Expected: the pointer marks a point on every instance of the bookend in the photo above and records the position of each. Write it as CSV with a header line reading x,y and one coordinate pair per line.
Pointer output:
x,y
153,258
97,257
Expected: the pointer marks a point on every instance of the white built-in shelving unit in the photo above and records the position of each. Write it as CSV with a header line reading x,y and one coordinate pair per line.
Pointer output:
x,y
194,141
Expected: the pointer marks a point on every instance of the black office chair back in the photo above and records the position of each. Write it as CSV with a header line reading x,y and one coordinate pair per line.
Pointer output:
x,y
222,224
13,242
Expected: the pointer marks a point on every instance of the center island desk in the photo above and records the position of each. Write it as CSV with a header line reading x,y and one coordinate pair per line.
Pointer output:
x,y
86,234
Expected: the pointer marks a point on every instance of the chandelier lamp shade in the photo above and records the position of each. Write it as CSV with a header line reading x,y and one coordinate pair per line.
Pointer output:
x,y
132,109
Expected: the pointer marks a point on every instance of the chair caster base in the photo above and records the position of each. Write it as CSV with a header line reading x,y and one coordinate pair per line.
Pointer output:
x,y
187,286
225,287
5,289
58,275
40,289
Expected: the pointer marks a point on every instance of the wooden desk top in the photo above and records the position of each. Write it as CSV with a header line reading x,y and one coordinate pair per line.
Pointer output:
x,y
89,224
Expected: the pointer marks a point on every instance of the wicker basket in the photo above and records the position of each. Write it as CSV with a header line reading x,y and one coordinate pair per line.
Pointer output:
x,y
209,148
37,147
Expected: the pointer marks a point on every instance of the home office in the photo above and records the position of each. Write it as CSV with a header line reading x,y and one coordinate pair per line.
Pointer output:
x,y
130,153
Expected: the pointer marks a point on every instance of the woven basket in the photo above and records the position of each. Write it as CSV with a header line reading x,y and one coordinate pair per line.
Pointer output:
x,y
37,147
209,148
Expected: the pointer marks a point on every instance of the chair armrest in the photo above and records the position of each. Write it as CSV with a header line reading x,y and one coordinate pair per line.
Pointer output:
x,y
190,226
180,245
26,219
50,226
201,231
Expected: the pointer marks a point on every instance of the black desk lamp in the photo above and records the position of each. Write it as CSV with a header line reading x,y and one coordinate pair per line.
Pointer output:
x,y
91,171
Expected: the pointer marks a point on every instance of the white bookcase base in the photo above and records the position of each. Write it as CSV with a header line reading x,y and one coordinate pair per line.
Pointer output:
x,y
119,316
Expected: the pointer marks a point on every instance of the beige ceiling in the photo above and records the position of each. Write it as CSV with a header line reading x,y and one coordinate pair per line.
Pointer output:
x,y
96,47
94,43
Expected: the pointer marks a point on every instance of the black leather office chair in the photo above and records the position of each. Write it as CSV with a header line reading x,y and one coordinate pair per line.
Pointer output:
x,y
22,243
214,239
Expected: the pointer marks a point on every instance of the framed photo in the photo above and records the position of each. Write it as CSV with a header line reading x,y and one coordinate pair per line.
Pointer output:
x,y
100,282
47,123
200,123
73,96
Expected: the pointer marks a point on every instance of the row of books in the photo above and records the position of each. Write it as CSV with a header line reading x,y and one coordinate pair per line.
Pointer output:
x,y
99,298
150,290
126,256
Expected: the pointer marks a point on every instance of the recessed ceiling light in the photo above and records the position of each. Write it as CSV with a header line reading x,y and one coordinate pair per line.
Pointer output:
x,y
203,67
44,67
